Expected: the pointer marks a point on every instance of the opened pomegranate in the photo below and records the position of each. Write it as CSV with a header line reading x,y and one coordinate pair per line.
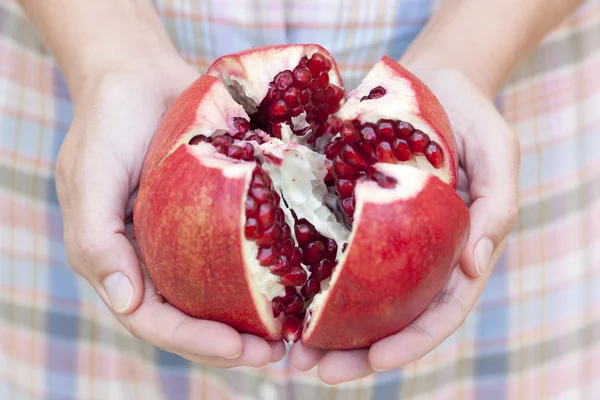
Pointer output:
x,y
271,202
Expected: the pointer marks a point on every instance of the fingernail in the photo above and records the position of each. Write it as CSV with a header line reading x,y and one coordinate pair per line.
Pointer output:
x,y
482,254
119,290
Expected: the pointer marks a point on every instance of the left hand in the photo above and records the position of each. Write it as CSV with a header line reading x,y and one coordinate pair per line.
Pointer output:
x,y
488,174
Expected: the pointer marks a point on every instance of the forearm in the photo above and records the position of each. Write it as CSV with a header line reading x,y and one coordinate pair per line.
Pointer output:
x,y
485,39
92,36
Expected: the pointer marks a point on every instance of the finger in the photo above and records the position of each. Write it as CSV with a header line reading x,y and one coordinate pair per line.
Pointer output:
x,y
344,366
436,324
305,358
492,164
277,351
93,204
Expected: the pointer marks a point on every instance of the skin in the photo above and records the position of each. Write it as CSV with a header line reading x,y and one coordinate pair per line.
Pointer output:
x,y
121,81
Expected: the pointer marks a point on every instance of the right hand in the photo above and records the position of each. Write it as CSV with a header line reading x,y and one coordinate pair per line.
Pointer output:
x,y
98,168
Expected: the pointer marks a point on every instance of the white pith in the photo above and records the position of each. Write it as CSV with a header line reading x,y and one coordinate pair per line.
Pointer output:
x,y
252,72
410,181
398,103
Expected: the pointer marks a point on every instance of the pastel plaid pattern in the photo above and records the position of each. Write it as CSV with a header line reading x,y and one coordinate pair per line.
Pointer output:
x,y
535,333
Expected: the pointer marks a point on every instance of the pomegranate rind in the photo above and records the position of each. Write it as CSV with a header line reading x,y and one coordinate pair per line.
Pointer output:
x,y
254,68
407,99
202,108
185,214
400,255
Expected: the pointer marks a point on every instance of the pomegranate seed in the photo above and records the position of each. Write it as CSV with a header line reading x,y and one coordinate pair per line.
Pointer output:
x,y
348,133
322,270
270,236
404,129
367,151
266,215
384,153
278,306
295,306
296,258
317,64
313,252
351,156
418,142
331,249
292,97
311,288
342,170
267,256
260,194
290,293
401,150
248,153
338,95
296,111
305,96
235,152
276,130
296,277
197,139
259,180
291,330
284,80
278,108
333,149
286,231
345,188
287,247
222,149
304,231
225,140
252,229
302,77
348,206
384,181
314,85
386,131
377,92
251,207
368,133
281,267
242,125
434,155
318,96
324,80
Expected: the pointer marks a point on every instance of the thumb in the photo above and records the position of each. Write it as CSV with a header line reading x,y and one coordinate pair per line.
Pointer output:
x,y
93,196
493,171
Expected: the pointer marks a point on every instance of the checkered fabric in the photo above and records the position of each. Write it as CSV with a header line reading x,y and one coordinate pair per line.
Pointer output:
x,y
534,334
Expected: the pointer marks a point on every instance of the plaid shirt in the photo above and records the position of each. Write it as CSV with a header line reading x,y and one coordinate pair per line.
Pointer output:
x,y
535,332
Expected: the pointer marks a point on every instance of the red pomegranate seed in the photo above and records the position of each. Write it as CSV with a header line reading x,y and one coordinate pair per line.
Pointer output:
x,y
348,206
331,249
384,153
283,80
278,108
296,258
351,156
296,111
323,80
312,287
317,64
404,129
418,142
318,96
295,306
386,131
338,95
286,231
281,267
287,247
342,170
278,304
314,85
267,256
276,129
333,149
260,194
197,139
384,181
251,207
377,92
348,133
292,97
242,125
313,252
296,277
222,149
270,236
252,230
368,133
401,150
290,293
434,155
367,151
345,187
322,270
235,152
304,231
225,140
291,330
302,77
248,154
305,96
266,215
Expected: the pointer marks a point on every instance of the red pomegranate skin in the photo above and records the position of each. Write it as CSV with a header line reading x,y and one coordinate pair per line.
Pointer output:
x,y
391,275
189,245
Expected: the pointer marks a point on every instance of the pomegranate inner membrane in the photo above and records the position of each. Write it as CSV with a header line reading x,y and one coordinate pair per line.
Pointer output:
x,y
300,202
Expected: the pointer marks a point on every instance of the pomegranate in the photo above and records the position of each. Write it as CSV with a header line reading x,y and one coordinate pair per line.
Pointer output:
x,y
272,202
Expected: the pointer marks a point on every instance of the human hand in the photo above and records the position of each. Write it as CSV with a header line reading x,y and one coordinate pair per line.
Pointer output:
x,y
97,173
489,162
